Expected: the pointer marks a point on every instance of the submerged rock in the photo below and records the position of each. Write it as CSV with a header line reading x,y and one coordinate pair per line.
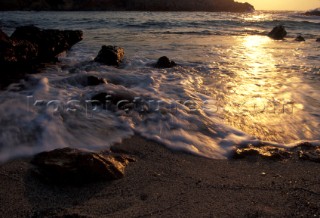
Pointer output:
x,y
94,81
303,151
278,33
300,39
110,55
165,62
68,165
121,99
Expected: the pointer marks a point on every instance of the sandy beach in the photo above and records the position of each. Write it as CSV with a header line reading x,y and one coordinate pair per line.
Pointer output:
x,y
162,183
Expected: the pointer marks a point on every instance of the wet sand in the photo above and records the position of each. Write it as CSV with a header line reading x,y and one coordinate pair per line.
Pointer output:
x,y
163,183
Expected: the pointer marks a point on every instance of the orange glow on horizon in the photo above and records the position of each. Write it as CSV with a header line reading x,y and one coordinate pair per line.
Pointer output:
x,y
296,5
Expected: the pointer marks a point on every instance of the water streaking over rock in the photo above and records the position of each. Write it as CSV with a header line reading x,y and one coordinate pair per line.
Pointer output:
x,y
231,87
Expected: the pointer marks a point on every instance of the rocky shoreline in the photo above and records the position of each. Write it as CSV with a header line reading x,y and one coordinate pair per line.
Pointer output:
x,y
138,177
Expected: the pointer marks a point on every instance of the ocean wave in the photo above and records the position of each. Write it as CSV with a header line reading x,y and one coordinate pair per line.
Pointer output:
x,y
225,91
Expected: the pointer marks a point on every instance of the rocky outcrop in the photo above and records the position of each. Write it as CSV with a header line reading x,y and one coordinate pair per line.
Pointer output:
x,y
155,5
304,151
50,42
110,55
30,46
165,62
315,12
318,40
278,33
300,39
74,166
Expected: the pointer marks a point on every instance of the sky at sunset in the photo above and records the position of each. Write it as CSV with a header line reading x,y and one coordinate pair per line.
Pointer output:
x,y
283,4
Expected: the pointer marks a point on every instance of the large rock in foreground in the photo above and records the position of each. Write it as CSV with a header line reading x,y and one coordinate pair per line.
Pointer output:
x,y
74,166
304,151
110,55
278,33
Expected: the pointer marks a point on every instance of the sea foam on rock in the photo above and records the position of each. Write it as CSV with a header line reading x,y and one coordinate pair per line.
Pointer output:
x,y
278,33
110,55
74,166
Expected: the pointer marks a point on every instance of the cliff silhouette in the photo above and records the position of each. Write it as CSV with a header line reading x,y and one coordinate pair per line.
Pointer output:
x,y
126,5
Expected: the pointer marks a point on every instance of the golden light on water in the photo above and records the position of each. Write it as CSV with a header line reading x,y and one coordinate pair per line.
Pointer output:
x,y
261,102
256,17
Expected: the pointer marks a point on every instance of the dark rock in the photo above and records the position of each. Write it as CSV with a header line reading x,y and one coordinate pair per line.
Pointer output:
x,y
25,51
50,42
4,40
121,98
267,152
68,165
29,47
94,81
318,40
15,59
300,39
165,62
278,33
110,55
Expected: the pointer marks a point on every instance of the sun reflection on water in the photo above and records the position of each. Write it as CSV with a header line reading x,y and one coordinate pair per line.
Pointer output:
x,y
262,100
256,16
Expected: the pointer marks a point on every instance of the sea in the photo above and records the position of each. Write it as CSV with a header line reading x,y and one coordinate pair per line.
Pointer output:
x,y
232,85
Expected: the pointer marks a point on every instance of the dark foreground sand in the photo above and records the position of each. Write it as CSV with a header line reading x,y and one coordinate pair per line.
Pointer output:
x,y
166,184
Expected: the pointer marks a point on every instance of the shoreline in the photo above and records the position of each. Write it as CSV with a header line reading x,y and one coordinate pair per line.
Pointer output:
x,y
165,183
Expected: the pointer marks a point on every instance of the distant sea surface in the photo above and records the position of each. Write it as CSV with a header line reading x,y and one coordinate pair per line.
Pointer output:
x,y
232,86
